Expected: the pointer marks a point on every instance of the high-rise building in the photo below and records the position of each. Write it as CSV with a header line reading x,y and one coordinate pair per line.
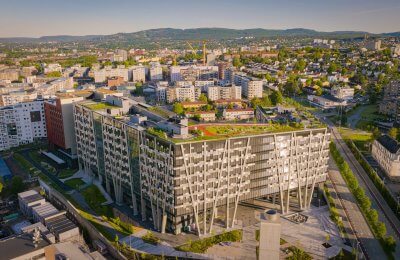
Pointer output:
x,y
156,73
250,88
180,183
60,123
390,104
22,123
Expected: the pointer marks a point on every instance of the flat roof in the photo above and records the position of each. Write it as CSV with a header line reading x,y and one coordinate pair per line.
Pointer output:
x,y
45,210
17,246
60,224
32,198
54,157
27,193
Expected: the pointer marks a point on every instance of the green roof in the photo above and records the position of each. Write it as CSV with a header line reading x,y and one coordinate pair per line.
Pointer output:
x,y
99,106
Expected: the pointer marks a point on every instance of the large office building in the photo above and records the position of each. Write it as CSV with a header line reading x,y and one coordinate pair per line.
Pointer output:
x,y
22,124
180,181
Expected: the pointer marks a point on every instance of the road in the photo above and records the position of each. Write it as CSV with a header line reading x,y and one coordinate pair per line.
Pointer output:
x,y
353,220
378,203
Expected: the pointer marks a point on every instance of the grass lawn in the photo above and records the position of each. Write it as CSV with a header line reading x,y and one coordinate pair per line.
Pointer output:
x,y
66,173
75,183
360,138
99,106
94,199
367,116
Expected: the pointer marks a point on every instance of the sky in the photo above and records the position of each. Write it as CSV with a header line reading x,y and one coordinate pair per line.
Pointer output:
x,y
30,18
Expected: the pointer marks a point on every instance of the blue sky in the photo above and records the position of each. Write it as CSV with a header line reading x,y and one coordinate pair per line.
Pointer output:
x,y
82,17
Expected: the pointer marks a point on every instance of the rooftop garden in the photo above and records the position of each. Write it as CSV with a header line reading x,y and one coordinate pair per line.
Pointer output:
x,y
99,106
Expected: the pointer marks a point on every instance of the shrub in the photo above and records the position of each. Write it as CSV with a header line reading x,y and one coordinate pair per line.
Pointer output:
x,y
150,238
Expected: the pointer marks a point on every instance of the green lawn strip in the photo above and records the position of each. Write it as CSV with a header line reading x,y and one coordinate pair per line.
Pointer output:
x,y
201,245
367,116
66,173
94,199
371,215
75,183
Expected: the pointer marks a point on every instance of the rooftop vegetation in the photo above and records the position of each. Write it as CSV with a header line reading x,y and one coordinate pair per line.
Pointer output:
x,y
99,106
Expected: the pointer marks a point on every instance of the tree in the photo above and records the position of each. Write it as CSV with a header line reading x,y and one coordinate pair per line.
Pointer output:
x,y
177,108
203,98
319,91
1,186
236,62
393,132
375,133
17,185
276,97
332,68
300,65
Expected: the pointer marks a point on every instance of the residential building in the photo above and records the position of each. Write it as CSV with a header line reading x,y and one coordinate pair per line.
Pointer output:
x,y
101,75
228,92
187,93
373,45
29,199
22,124
390,104
193,73
203,115
180,185
238,114
344,93
52,67
156,73
251,88
115,81
386,151
60,123
137,74
119,55
326,101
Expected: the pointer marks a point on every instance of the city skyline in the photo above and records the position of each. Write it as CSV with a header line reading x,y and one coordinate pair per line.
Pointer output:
x,y
26,19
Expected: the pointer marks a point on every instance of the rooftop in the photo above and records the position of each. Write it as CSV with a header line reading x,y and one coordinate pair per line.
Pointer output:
x,y
389,143
17,246
98,105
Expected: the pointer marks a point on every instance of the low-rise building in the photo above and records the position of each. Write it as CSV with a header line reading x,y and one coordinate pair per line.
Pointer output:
x,y
202,115
386,151
238,114
326,101
29,199
344,93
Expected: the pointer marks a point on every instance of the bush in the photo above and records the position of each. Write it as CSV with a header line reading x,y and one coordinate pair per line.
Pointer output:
x,y
201,246
150,238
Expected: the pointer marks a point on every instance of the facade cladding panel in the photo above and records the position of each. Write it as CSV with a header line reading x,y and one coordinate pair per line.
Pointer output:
x,y
175,183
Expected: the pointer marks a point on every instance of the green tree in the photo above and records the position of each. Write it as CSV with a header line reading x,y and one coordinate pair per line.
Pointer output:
x,y
177,108
393,132
17,185
1,186
203,98
300,65
236,62
276,97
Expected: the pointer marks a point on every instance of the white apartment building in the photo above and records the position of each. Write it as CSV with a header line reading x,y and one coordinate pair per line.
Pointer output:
x,y
119,55
52,67
229,92
193,73
238,114
22,124
137,74
101,75
190,93
155,71
250,88
204,84
386,151
344,93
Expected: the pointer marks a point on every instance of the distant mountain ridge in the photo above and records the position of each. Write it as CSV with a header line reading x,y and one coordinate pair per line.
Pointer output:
x,y
195,34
